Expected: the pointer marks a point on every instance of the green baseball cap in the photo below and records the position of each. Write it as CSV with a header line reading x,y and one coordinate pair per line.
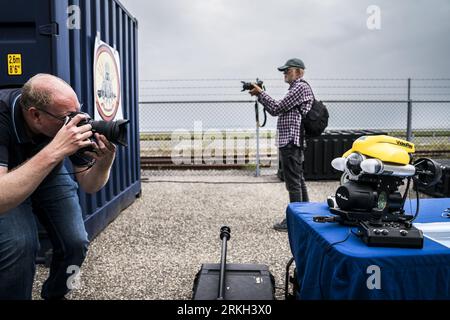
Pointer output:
x,y
292,63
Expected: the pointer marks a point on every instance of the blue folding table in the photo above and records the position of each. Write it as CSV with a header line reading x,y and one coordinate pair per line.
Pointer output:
x,y
346,270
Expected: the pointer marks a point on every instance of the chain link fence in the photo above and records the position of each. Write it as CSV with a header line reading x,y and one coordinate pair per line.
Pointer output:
x,y
210,121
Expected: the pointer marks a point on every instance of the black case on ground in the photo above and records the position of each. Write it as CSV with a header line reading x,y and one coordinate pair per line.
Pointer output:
x,y
242,282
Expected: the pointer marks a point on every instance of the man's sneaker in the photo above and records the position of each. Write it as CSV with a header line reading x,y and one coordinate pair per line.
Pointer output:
x,y
281,226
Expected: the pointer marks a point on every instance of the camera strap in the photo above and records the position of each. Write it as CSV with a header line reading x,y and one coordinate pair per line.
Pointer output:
x,y
257,115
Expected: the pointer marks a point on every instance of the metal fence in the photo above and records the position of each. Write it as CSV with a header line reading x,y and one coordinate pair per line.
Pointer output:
x,y
179,119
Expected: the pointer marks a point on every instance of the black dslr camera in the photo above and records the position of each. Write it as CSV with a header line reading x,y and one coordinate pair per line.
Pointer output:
x,y
249,85
114,131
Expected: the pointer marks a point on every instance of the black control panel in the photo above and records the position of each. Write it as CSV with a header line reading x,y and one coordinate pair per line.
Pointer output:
x,y
391,234
377,229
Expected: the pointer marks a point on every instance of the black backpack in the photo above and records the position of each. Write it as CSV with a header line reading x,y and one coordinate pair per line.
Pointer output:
x,y
316,120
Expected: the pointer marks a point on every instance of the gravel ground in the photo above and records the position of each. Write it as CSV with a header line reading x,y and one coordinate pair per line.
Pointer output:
x,y
156,246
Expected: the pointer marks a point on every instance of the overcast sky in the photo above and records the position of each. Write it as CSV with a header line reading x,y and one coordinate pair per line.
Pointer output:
x,y
181,39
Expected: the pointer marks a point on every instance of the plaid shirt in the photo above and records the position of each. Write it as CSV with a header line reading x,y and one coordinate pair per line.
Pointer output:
x,y
297,102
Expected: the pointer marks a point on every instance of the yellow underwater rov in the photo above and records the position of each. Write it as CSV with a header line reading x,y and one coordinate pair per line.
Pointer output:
x,y
368,197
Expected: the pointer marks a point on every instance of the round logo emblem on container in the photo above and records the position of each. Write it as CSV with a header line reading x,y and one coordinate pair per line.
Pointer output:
x,y
106,83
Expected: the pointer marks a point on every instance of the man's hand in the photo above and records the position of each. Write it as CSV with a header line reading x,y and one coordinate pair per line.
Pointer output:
x,y
96,177
256,91
104,151
70,138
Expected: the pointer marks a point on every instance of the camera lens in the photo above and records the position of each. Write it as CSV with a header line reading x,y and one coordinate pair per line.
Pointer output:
x,y
114,131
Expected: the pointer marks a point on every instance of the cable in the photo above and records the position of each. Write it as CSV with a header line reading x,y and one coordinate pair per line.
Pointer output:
x,y
207,182
358,79
189,87
341,241
432,79
350,231
417,202
192,95
189,80
89,165
406,191
363,94
284,86
430,87
279,79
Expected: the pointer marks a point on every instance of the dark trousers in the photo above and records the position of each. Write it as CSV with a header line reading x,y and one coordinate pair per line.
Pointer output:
x,y
292,167
56,204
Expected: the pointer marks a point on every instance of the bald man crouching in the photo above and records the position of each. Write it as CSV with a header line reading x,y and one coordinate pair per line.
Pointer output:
x,y
36,135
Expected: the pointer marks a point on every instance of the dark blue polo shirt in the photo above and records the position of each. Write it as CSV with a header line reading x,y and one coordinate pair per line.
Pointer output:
x,y
15,145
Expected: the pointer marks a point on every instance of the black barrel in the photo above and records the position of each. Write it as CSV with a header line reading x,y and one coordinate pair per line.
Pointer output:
x,y
331,144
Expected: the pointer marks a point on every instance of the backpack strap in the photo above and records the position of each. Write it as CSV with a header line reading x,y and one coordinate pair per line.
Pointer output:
x,y
302,80
302,127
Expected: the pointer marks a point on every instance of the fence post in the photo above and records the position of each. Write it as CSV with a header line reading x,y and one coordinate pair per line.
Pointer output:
x,y
257,173
409,114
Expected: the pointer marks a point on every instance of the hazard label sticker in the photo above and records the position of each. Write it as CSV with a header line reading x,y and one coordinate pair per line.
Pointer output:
x,y
15,64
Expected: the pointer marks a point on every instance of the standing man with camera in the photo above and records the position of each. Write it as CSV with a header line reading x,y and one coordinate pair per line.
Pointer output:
x,y
290,110
38,130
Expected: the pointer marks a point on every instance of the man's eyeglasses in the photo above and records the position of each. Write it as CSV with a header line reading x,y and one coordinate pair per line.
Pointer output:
x,y
286,71
60,118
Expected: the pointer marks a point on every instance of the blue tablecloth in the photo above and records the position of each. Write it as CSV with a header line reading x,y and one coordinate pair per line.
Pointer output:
x,y
341,271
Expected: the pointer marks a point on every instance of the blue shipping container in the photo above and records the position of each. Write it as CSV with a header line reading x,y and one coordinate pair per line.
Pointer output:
x,y
59,37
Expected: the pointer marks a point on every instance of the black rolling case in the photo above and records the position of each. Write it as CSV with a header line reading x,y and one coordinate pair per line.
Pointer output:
x,y
233,281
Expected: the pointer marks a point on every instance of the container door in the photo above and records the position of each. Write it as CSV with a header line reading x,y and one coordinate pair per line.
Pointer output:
x,y
26,32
